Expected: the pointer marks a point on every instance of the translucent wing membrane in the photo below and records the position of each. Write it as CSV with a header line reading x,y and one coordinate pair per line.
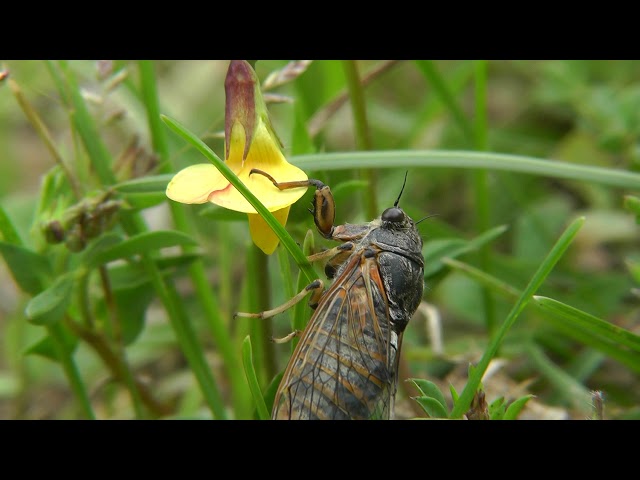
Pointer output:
x,y
345,365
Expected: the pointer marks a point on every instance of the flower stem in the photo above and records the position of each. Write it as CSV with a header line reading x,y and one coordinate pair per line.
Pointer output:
x,y
102,348
262,329
71,371
116,329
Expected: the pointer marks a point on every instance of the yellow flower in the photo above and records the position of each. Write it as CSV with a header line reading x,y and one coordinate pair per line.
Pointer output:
x,y
250,142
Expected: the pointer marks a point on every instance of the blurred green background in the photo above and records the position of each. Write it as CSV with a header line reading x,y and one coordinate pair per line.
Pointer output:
x,y
584,113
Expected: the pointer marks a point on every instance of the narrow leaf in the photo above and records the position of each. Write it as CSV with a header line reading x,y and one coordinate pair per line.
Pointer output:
x,y
432,406
632,204
497,409
29,269
142,243
435,250
574,393
588,322
7,229
429,389
46,346
513,411
454,393
250,372
140,201
150,184
272,389
49,306
468,160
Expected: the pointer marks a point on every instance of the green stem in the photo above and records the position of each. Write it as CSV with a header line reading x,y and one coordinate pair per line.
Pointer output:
x,y
571,390
71,371
112,314
264,303
481,188
301,310
204,293
105,351
363,134
187,339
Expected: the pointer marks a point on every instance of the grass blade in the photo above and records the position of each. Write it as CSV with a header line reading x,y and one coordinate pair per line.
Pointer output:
x,y
463,403
430,72
571,390
468,160
252,379
589,323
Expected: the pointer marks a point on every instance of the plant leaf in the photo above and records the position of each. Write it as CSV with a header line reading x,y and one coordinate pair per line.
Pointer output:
x,y
140,244
46,347
7,229
254,386
50,305
150,184
430,389
632,204
435,250
29,269
513,411
454,393
587,322
468,160
140,201
272,389
497,409
432,406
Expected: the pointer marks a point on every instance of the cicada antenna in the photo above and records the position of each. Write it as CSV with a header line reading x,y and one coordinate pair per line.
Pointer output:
x,y
428,216
402,190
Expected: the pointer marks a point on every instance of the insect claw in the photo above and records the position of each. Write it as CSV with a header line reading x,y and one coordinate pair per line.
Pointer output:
x,y
286,338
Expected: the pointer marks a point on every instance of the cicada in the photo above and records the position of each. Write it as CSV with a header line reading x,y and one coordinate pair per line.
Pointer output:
x,y
345,365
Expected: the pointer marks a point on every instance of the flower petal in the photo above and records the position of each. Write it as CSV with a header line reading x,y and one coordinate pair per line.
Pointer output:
x,y
195,184
261,232
264,154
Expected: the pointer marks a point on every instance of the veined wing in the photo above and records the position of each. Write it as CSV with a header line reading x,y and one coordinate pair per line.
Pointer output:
x,y
345,365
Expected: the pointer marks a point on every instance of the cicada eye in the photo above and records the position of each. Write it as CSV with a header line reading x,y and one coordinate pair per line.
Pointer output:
x,y
393,214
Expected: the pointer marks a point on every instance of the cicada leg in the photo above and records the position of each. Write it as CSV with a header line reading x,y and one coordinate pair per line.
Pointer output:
x,y
316,287
324,208
336,256
287,338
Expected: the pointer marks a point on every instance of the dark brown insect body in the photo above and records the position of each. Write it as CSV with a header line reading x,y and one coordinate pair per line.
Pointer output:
x,y
346,363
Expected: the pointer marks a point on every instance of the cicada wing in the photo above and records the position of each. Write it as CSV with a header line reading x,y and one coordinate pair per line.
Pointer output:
x,y
345,365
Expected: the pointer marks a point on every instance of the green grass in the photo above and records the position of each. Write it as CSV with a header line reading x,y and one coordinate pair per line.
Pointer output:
x,y
529,170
